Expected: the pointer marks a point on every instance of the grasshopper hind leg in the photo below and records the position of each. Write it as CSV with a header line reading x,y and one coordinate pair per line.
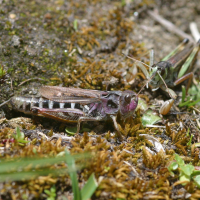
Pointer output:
x,y
187,66
188,76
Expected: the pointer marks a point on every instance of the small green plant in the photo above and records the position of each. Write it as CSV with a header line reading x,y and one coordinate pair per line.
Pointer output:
x,y
71,130
51,193
75,24
2,72
187,172
192,98
88,189
123,2
20,137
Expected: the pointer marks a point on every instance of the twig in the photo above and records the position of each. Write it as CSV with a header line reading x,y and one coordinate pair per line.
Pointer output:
x,y
31,79
134,170
196,119
5,102
11,85
195,109
154,126
43,135
63,137
169,26
194,30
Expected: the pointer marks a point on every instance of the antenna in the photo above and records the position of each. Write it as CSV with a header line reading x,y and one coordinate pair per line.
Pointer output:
x,y
137,60
147,82
5,102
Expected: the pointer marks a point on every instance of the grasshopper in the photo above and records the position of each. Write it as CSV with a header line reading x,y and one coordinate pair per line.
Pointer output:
x,y
75,105
171,71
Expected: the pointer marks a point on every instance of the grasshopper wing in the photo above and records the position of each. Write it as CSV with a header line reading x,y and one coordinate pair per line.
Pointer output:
x,y
70,95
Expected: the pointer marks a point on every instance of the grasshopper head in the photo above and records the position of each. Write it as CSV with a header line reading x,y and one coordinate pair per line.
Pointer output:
x,y
161,68
127,103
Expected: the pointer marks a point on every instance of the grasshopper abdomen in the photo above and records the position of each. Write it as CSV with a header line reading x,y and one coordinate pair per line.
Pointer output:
x,y
25,104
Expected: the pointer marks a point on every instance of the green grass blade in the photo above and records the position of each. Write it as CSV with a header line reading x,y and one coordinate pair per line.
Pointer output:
x,y
187,63
71,130
21,164
73,175
176,50
194,102
24,169
32,163
27,175
185,103
89,188
75,24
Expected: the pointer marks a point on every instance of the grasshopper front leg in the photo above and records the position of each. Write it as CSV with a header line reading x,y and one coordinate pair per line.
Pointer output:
x,y
114,118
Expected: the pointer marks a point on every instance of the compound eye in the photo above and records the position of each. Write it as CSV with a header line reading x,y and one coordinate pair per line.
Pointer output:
x,y
127,98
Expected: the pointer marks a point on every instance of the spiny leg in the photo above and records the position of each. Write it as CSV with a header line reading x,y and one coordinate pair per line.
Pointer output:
x,y
188,76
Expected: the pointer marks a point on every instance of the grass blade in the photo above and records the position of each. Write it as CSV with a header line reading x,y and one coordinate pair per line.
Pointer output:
x,y
194,102
89,188
72,168
28,168
27,175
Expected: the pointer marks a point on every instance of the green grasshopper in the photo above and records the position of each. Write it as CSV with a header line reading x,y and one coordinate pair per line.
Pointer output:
x,y
171,71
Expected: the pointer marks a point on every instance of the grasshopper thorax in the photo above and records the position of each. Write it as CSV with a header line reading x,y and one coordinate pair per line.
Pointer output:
x,y
122,102
160,69
127,103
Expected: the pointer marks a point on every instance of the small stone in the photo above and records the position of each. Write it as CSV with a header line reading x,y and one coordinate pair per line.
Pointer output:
x,y
15,40
12,16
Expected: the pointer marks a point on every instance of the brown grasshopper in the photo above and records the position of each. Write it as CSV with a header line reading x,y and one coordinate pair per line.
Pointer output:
x,y
171,71
76,105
